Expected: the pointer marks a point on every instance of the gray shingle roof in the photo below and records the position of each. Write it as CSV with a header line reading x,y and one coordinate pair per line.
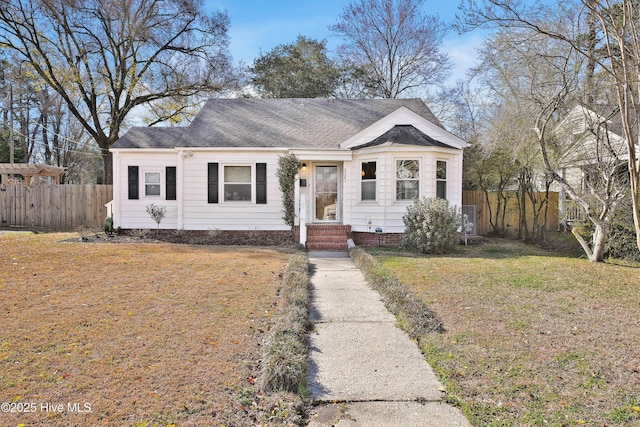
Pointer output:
x,y
150,137
291,123
405,134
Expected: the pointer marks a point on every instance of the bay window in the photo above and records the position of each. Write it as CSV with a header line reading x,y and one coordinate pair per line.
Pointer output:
x,y
368,182
407,179
441,179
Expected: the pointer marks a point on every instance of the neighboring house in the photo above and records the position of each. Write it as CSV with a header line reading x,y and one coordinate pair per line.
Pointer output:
x,y
587,138
363,162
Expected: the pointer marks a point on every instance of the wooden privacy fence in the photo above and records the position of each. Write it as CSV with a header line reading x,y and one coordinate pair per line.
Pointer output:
x,y
54,206
512,217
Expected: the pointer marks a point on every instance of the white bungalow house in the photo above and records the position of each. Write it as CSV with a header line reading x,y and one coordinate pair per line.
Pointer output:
x,y
363,162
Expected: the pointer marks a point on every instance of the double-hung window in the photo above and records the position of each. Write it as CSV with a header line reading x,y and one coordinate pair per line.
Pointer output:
x,y
441,179
152,184
237,183
368,182
407,179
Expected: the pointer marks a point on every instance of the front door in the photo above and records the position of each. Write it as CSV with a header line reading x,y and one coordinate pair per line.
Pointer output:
x,y
326,193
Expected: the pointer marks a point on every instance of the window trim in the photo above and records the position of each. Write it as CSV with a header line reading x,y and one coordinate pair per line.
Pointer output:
x,y
160,173
370,180
216,183
251,182
418,160
441,180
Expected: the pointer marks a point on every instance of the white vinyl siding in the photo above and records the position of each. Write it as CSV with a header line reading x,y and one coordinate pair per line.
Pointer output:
x,y
195,213
231,214
387,211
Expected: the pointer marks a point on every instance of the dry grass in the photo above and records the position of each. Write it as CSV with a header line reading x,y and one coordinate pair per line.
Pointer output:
x,y
532,338
145,334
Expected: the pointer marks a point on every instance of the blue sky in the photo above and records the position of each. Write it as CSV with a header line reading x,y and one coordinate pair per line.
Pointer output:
x,y
260,25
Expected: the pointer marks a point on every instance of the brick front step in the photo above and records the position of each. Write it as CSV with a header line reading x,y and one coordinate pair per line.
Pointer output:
x,y
328,237
327,246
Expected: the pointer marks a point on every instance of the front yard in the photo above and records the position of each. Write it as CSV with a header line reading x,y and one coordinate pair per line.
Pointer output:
x,y
160,334
131,334
532,338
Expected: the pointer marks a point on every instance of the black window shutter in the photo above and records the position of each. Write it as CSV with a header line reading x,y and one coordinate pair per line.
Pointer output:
x,y
170,181
133,182
261,183
212,183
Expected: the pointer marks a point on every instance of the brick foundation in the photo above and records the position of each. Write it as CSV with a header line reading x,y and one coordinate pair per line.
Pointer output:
x,y
370,239
224,237
319,237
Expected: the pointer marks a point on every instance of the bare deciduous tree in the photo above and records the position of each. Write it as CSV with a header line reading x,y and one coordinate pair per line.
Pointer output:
x,y
107,57
606,33
396,41
538,99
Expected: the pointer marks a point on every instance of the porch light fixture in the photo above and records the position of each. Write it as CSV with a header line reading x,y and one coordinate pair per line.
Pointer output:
x,y
304,167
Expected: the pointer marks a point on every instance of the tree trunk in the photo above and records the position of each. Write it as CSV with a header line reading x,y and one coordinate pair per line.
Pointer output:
x,y
523,227
634,181
494,225
107,158
503,212
595,251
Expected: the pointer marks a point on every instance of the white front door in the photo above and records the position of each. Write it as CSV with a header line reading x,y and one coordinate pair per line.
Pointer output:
x,y
327,193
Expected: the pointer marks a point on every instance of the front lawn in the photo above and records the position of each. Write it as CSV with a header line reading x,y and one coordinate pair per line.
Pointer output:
x,y
131,334
532,338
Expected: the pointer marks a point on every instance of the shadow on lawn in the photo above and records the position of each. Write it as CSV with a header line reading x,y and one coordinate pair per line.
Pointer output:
x,y
494,248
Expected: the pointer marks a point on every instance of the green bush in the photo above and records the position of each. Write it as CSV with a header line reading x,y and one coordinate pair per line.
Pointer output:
x,y
288,167
431,226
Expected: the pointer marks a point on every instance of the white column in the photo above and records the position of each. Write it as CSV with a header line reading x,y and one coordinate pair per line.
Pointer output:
x,y
303,219
180,188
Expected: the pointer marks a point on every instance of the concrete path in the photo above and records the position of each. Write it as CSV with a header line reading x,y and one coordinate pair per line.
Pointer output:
x,y
363,370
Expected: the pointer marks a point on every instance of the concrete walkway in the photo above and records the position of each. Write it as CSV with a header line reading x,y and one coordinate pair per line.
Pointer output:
x,y
363,370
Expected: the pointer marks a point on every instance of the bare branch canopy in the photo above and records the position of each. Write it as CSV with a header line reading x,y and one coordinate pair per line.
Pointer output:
x,y
106,57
